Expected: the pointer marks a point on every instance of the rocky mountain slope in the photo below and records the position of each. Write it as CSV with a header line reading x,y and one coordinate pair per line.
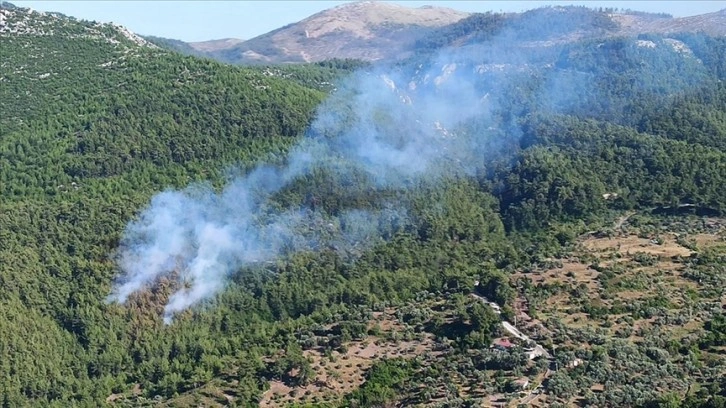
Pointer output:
x,y
365,30
374,31
16,22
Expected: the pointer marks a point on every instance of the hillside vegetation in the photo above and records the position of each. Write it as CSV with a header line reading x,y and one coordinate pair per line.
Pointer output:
x,y
96,121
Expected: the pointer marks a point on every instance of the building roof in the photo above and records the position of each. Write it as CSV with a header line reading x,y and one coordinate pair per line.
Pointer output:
x,y
503,342
521,382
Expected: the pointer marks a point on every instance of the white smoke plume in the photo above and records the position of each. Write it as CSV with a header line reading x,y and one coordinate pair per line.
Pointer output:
x,y
203,236
396,125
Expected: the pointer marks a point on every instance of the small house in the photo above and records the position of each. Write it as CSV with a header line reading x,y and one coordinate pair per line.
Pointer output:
x,y
503,344
520,383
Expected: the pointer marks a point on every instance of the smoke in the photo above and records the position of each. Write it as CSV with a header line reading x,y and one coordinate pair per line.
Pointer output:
x,y
375,126
385,128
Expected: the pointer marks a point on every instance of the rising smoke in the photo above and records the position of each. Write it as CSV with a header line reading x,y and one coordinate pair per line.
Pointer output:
x,y
390,135
395,125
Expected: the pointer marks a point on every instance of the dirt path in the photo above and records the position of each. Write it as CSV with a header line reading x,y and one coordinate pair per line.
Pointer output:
x,y
538,349
620,221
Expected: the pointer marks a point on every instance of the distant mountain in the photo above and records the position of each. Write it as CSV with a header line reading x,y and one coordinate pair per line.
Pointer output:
x,y
373,31
173,45
541,29
199,49
364,30
215,45
636,23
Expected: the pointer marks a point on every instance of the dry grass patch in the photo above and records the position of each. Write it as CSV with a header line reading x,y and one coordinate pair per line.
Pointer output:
x,y
632,244
635,269
334,380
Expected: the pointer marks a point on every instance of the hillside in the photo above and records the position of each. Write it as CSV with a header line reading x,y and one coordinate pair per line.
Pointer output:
x,y
198,49
711,23
175,231
27,22
373,31
94,121
215,45
365,30
174,45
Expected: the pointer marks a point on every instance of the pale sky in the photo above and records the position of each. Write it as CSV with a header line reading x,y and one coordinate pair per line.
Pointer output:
x,y
207,20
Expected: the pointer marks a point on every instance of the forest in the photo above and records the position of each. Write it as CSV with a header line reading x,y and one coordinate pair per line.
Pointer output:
x,y
92,129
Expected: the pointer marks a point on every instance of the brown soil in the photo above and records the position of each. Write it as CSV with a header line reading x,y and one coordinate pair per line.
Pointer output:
x,y
342,373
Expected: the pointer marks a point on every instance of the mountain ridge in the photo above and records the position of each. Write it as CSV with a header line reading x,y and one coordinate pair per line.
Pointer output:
x,y
637,23
373,30
215,45
329,33
362,30
18,21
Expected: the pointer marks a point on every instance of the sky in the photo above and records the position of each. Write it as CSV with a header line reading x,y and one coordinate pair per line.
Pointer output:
x,y
206,20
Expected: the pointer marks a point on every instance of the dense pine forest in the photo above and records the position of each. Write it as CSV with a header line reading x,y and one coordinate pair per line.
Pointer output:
x,y
94,123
